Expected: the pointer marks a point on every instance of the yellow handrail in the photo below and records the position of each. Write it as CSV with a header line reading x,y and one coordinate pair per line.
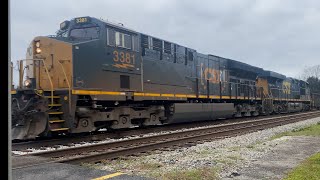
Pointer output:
x,y
11,76
45,66
69,87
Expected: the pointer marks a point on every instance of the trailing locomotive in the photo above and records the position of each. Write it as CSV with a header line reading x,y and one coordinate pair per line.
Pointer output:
x,y
94,74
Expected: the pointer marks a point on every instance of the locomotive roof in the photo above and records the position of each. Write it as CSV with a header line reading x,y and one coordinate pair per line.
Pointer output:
x,y
272,74
120,26
232,64
237,65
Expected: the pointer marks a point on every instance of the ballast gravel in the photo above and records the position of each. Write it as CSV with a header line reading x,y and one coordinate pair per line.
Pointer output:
x,y
228,155
30,151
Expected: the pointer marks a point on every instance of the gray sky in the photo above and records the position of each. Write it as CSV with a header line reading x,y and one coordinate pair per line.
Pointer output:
x,y
278,35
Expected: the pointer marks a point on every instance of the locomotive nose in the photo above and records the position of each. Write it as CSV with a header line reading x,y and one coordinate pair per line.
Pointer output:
x,y
47,67
56,56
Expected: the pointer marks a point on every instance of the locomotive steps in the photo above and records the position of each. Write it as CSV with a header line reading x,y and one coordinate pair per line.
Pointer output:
x,y
111,150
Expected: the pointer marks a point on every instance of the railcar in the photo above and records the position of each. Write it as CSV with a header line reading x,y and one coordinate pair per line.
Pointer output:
x,y
95,74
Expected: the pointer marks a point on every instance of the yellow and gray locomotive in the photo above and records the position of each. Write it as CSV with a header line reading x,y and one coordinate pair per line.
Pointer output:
x,y
94,74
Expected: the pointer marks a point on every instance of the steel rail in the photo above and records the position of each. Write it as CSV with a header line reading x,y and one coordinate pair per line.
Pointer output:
x,y
98,136
111,150
169,140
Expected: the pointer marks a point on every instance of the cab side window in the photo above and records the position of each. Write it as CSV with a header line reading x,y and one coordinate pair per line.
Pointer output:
x,y
121,39
111,37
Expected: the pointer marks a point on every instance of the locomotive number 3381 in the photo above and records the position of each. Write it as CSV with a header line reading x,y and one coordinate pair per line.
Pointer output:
x,y
122,57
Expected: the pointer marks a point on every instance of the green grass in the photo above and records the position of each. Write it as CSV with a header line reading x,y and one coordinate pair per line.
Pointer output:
x,y
235,148
149,166
313,130
193,174
308,170
205,152
235,157
250,146
225,161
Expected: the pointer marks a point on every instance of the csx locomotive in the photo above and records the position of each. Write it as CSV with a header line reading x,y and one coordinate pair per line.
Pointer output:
x,y
94,74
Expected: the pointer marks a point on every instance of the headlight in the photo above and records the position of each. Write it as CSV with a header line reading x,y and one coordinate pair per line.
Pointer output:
x,y
38,50
27,83
38,44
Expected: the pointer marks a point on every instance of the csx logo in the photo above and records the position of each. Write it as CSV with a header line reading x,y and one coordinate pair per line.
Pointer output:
x,y
286,87
212,75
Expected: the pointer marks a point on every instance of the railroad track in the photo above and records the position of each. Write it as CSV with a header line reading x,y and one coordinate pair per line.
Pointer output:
x,y
111,150
118,134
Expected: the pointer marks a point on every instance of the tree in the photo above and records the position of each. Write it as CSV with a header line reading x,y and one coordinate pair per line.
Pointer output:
x,y
313,71
314,84
312,76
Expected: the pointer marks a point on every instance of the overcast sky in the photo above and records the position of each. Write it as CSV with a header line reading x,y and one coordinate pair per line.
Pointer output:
x,y
278,35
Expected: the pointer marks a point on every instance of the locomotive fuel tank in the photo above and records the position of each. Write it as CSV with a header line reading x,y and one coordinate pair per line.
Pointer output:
x,y
188,112
295,107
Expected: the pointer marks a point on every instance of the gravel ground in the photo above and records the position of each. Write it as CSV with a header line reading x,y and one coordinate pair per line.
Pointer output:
x,y
228,155
107,140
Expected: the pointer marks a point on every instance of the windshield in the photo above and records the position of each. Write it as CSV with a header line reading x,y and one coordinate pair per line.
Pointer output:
x,y
85,33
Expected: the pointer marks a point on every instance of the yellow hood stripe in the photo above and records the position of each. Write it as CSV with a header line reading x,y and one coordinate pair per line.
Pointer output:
x,y
89,92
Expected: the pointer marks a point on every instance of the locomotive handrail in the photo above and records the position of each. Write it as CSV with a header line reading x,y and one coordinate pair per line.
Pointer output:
x,y
69,87
45,66
11,76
